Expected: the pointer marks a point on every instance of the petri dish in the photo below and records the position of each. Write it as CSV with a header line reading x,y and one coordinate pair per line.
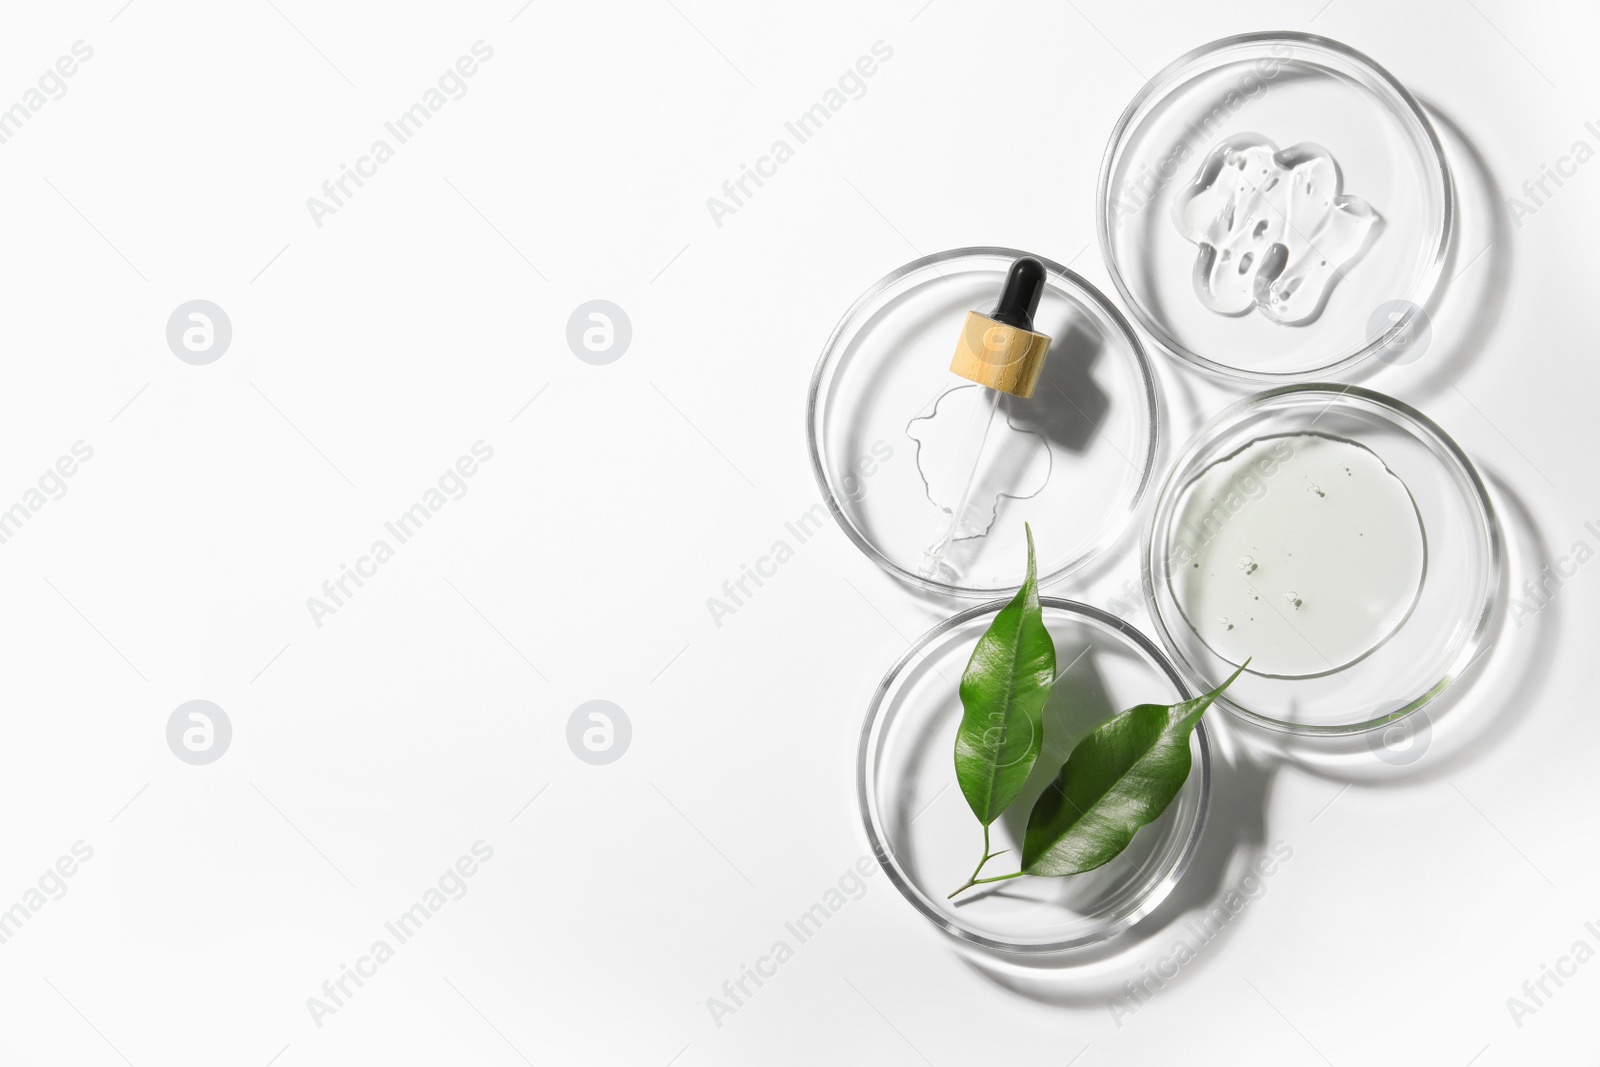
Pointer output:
x,y
1350,197
927,839
885,415
1338,539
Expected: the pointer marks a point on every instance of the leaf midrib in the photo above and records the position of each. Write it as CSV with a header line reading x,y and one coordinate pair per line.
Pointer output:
x,y
1148,756
1083,813
1005,718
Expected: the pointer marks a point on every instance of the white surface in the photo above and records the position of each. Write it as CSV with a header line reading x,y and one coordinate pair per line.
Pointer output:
x,y
371,753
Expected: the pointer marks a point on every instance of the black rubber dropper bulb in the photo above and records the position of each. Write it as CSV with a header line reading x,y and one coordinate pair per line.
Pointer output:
x,y
1020,297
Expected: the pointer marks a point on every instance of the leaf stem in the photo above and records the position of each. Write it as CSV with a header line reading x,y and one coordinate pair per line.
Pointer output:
x,y
999,877
984,881
973,879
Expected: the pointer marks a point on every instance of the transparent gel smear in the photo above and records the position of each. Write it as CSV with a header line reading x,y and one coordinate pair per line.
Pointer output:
x,y
1010,462
1273,229
1301,553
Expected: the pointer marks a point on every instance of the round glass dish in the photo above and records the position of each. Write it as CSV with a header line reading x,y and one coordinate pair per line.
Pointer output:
x,y
884,418
926,837
1398,560
1285,90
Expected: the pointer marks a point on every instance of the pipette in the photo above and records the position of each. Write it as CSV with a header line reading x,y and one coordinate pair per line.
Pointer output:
x,y
1002,354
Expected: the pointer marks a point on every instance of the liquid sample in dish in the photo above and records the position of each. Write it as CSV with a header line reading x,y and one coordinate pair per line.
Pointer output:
x,y
1273,230
1009,462
1300,552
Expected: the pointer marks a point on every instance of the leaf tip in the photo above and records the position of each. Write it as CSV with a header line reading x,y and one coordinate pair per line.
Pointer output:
x,y
1217,692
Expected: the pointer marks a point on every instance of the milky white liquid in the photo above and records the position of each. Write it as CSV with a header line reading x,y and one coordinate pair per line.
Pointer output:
x,y
1301,553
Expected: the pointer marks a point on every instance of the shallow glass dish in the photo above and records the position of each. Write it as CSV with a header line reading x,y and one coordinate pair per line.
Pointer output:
x,y
1378,624
926,837
1287,89
1077,456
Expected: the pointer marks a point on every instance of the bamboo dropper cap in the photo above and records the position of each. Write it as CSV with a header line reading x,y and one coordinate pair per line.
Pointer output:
x,y
1001,349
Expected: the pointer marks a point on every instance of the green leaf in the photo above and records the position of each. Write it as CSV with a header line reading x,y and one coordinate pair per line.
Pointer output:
x,y
1002,695
1119,778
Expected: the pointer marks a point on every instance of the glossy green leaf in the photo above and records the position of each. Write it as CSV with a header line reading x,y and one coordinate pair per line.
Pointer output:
x,y
1003,693
1119,778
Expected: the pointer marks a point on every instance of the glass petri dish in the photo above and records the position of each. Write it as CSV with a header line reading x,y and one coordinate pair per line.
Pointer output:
x,y
884,417
1283,90
926,838
1339,539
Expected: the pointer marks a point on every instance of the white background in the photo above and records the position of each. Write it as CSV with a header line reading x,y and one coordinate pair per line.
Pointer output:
x,y
368,354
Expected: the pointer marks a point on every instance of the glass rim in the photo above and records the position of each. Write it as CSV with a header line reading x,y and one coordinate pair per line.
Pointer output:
x,y
1456,665
1080,286
1427,280
1146,903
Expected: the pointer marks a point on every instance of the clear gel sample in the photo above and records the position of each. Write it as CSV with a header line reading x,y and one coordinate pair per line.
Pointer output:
x,y
1273,229
1301,553
971,457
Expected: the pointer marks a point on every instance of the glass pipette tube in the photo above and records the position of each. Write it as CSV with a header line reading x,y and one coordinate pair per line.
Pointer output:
x,y
969,451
